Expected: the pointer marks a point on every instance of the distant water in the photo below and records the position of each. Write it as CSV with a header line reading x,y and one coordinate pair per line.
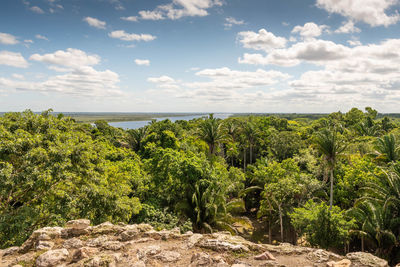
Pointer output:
x,y
139,124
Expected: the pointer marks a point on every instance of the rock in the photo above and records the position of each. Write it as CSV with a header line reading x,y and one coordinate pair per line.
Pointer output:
x,y
265,256
200,259
76,228
112,245
9,251
52,258
239,265
109,260
366,259
78,224
98,241
44,245
138,264
106,228
320,255
73,243
342,263
129,235
84,252
52,232
168,256
218,245
194,239
148,251
143,227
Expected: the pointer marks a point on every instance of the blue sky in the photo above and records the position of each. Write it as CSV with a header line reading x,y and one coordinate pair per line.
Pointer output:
x,y
199,55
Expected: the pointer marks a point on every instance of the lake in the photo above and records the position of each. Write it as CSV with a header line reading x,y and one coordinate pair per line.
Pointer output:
x,y
139,124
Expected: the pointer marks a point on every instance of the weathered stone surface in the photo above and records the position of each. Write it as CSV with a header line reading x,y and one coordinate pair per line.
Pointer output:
x,y
112,245
320,255
366,259
265,256
217,245
140,245
98,241
52,258
84,252
9,251
342,263
73,243
148,251
201,259
193,240
44,245
168,256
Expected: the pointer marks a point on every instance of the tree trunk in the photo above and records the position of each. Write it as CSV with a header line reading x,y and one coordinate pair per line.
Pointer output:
x,y
331,193
244,159
281,222
269,231
251,154
362,243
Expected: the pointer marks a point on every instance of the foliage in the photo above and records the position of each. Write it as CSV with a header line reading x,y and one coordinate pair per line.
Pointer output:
x,y
322,226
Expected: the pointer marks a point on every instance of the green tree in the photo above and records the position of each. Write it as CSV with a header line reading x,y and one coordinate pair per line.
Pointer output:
x,y
211,131
329,144
322,226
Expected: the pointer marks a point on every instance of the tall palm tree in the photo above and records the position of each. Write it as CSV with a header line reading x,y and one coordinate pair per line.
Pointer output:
x,y
387,149
136,137
330,146
251,133
379,210
212,133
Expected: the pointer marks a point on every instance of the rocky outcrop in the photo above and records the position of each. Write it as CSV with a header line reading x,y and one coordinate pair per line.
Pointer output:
x,y
107,244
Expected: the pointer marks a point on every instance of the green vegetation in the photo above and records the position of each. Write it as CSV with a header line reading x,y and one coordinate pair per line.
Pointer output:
x,y
330,180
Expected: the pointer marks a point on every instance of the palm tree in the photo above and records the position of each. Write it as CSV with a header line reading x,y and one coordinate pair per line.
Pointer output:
x,y
330,146
136,137
251,132
212,133
379,210
387,149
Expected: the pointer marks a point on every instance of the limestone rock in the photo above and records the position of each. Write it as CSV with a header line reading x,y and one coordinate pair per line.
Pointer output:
x,y
265,256
148,251
342,263
52,258
84,252
44,245
112,245
9,251
168,256
73,243
217,245
200,259
194,239
366,259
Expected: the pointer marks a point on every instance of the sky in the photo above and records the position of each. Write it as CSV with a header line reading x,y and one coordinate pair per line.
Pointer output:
x,y
303,56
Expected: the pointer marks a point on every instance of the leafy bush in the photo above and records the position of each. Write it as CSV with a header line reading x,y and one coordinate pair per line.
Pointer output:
x,y
161,219
322,227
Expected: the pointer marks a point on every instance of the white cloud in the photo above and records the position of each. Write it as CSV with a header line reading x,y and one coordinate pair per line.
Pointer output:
x,y
354,42
8,39
372,12
142,62
37,10
18,76
122,35
230,21
80,79
28,41
348,27
151,15
95,22
73,58
180,8
161,79
131,18
263,40
310,30
314,51
13,59
41,37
